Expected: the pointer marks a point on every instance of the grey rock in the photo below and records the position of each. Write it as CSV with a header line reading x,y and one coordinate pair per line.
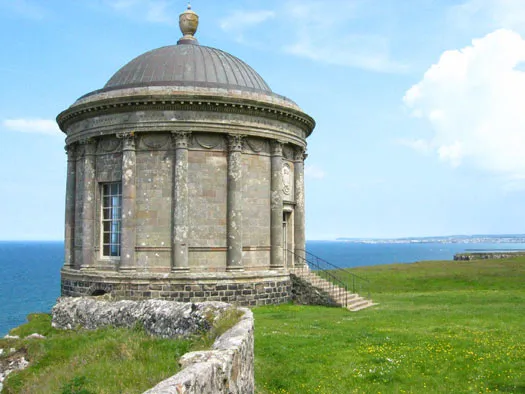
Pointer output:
x,y
35,336
166,319
14,365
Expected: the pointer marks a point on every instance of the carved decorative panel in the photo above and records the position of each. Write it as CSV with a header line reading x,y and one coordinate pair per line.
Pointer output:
x,y
109,145
258,145
155,141
208,141
287,179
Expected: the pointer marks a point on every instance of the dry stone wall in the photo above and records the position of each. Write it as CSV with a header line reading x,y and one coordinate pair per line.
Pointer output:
x,y
227,368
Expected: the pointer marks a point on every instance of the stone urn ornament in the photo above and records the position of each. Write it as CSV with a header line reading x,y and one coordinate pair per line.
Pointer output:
x,y
188,23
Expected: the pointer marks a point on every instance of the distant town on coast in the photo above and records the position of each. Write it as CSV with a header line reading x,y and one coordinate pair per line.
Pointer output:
x,y
449,239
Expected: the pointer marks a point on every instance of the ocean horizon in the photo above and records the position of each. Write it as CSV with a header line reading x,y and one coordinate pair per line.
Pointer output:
x,y
30,270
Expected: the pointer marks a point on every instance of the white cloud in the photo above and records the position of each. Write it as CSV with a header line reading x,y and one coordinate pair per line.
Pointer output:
x,y
314,172
473,99
154,11
24,8
361,51
419,145
331,34
330,40
240,20
40,126
489,14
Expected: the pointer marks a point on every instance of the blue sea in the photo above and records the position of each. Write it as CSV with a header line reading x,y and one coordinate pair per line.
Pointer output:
x,y
30,271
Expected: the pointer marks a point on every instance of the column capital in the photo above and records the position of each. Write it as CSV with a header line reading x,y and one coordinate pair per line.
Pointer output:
x,y
70,151
277,148
128,137
180,139
86,141
300,154
235,142
89,145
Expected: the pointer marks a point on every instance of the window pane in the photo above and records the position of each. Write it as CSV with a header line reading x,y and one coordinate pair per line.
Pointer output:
x,y
111,218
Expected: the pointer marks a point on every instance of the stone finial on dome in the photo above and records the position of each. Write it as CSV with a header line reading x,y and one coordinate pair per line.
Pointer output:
x,y
188,23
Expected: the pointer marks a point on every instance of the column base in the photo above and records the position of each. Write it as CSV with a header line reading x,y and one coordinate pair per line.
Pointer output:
x,y
177,270
234,269
127,269
277,267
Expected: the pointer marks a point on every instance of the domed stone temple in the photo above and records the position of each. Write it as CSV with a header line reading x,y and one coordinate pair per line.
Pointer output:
x,y
185,181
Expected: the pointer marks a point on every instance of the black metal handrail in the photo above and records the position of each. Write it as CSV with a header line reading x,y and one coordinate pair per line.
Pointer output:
x,y
337,286
340,276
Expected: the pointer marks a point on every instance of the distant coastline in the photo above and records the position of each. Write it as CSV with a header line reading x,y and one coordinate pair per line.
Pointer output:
x,y
449,239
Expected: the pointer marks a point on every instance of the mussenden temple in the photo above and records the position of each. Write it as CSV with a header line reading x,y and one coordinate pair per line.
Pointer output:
x,y
185,181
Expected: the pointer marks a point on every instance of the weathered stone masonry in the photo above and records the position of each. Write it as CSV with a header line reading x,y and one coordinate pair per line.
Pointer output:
x,y
210,166
227,368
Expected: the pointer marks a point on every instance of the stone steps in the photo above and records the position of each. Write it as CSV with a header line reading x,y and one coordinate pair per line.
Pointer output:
x,y
353,301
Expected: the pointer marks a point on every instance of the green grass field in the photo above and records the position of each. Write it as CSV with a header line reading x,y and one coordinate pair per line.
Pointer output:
x,y
440,327
104,361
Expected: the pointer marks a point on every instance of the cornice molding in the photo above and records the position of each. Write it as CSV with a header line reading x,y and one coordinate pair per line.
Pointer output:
x,y
203,104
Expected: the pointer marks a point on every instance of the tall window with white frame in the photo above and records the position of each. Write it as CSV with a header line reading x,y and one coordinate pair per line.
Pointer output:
x,y
111,218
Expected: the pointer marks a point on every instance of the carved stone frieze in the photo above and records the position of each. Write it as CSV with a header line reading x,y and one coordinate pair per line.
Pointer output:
x,y
161,111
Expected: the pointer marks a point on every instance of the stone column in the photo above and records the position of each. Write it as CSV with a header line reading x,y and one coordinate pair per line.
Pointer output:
x,y
299,211
88,204
128,236
69,235
234,204
180,203
276,253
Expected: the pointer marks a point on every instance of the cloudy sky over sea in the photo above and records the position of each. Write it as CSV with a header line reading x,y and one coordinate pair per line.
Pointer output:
x,y
419,103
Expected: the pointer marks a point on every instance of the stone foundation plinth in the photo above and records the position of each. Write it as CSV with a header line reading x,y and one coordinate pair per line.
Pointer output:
x,y
241,288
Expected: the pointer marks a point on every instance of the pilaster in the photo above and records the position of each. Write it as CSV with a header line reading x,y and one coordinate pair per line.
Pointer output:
x,y
276,238
180,203
88,204
69,234
128,224
234,203
299,211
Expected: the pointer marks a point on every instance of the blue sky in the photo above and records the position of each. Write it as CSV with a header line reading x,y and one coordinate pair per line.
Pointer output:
x,y
419,103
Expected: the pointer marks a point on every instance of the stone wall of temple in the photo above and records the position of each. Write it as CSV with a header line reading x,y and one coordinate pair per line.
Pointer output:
x,y
242,289
153,175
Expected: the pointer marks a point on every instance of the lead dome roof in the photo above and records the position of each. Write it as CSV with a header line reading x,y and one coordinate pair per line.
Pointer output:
x,y
189,65
187,69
